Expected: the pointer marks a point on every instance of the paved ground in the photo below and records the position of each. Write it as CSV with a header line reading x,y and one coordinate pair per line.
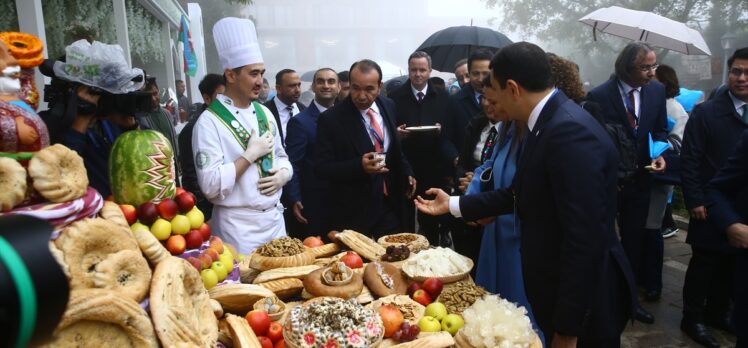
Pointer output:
x,y
665,332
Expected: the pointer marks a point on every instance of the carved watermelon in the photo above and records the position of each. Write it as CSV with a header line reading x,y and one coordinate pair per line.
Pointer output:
x,y
141,168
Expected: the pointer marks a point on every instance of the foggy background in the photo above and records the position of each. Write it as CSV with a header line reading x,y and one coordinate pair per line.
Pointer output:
x,y
305,35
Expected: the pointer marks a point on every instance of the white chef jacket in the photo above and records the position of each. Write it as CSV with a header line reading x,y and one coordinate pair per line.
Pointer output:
x,y
239,205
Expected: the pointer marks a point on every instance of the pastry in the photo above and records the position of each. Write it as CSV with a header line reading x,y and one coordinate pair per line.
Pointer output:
x,y
58,174
103,318
112,212
242,335
384,279
287,272
180,306
12,183
441,339
126,272
238,298
361,244
326,250
415,242
153,250
217,309
336,281
332,322
284,288
87,242
280,253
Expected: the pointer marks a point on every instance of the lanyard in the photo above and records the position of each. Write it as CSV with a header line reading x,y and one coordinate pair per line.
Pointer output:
x,y
375,135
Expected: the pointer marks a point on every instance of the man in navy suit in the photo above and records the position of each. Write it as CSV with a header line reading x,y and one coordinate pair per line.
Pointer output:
x,y
728,211
306,192
577,277
359,153
633,100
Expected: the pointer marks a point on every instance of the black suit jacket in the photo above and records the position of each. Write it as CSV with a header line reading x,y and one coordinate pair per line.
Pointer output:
x,y
577,277
652,114
712,131
473,130
727,204
342,140
426,152
270,104
461,108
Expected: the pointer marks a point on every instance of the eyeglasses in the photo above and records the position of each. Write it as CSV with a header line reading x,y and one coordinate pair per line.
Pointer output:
x,y
738,72
647,68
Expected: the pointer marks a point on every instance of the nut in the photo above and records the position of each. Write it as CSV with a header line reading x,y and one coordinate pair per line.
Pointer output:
x,y
285,246
459,296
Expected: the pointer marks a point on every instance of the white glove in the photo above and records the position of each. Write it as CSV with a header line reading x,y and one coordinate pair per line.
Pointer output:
x,y
258,146
269,185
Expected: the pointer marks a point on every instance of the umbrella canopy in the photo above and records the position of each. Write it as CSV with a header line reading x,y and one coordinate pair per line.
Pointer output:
x,y
308,76
647,27
449,45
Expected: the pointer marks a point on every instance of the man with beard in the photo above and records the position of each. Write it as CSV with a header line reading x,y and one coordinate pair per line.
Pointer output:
x,y
306,192
286,104
240,162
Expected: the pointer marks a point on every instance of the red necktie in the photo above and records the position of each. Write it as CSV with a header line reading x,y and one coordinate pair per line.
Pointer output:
x,y
378,146
632,112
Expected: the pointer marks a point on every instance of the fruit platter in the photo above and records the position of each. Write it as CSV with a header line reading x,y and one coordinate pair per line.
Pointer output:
x,y
145,268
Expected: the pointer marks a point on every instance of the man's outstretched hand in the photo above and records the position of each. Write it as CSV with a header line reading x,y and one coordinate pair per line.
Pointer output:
x,y
437,206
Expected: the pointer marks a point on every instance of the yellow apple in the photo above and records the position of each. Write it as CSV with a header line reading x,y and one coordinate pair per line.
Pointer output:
x,y
180,224
196,218
210,278
220,270
161,229
138,227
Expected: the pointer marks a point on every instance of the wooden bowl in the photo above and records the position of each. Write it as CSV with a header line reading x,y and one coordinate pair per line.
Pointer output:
x,y
419,242
445,279
462,341
265,263
275,316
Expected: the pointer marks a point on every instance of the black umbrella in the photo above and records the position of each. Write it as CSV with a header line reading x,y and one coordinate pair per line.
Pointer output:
x,y
449,45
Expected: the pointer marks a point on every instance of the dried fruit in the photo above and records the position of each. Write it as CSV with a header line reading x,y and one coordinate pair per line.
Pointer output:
x,y
285,246
458,296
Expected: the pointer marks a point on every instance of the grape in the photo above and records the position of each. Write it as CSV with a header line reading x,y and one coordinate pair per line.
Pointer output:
x,y
413,331
390,249
397,336
405,326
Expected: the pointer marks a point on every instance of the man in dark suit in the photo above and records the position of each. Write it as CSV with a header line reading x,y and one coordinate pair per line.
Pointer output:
x,y
359,153
633,100
577,278
306,192
419,103
285,104
727,194
710,137
465,104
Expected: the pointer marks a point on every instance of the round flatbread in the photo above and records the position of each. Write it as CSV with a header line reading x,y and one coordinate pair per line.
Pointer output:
x,y
12,183
58,173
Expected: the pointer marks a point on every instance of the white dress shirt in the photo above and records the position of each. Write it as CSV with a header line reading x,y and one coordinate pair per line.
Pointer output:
x,y
320,107
454,201
283,113
380,120
478,151
624,88
738,104
415,91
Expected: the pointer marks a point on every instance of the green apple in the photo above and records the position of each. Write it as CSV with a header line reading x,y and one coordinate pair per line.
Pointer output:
x,y
196,218
220,270
227,259
210,278
180,224
161,229
429,324
437,310
452,323
138,227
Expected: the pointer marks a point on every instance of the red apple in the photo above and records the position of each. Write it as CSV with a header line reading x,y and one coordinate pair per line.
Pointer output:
x,y
413,287
194,239
176,244
206,260
313,241
259,321
168,209
422,297
433,286
213,254
185,201
130,212
352,260
280,344
195,262
205,231
147,213
216,243
265,342
179,191
275,331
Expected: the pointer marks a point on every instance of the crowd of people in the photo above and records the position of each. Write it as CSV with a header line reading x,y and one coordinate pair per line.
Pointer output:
x,y
554,193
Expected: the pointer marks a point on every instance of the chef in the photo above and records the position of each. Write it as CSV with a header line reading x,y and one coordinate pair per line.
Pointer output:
x,y
239,158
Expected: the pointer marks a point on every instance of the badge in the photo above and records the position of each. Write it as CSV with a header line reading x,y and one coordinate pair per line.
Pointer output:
x,y
272,128
266,164
201,159
235,124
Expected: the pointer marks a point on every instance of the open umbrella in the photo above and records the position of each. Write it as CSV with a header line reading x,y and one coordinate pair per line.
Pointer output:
x,y
647,27
308,76
449,45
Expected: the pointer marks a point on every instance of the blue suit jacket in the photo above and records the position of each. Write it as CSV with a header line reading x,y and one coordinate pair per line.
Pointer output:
x,y
652,113
300,142
727,196
577,277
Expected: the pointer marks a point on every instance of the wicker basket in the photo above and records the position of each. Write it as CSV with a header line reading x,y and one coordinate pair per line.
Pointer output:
x,y
462,341
265,263
445,279
420,242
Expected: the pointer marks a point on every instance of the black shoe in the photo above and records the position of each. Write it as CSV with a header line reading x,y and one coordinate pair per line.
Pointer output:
x,y
669,232
699,333
722,323
652,295
643,316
